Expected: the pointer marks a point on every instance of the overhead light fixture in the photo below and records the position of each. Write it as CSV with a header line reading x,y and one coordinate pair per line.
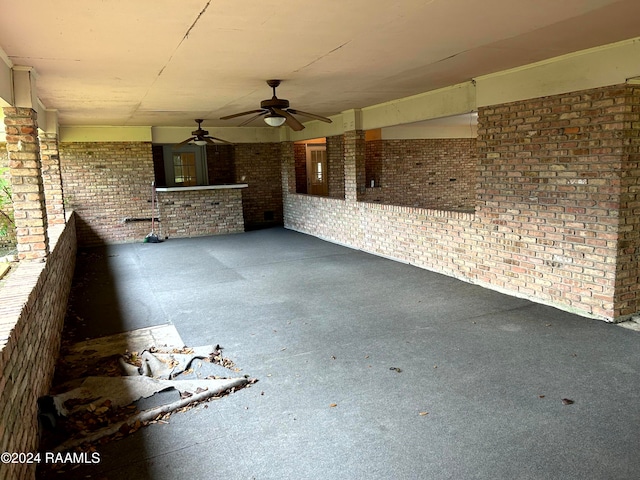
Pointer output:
x,y
274,120
200,142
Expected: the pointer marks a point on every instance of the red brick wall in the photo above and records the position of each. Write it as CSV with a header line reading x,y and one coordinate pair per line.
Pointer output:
x,y
627,267
300,152
106,184
335,166
427,173
31,318
551,190
52,183
259,165
195,213
220,164
558,178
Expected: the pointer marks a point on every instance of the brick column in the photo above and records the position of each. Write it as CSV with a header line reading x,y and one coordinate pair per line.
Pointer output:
x,y
354,165
28,197
51,178
288,169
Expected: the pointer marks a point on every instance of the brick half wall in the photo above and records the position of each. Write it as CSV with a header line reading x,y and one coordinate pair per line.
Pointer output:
x,y
34,302
195,213
556,207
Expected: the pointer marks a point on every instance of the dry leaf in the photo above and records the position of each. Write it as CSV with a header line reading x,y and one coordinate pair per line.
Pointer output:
x,y
567,401
422,414
333,405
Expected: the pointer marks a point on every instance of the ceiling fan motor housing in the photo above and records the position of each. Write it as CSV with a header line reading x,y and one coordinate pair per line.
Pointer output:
x,y
275,102
199,132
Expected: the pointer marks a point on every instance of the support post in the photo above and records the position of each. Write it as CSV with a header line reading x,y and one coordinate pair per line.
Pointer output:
x,y
28,196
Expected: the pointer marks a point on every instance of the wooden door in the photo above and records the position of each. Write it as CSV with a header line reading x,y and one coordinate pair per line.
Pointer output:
x,y
317,183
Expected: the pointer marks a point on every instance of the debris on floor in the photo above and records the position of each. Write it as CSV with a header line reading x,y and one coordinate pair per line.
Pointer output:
x,y
102,395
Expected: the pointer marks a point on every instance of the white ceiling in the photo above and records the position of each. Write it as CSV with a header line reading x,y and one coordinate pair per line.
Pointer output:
x,y
167,62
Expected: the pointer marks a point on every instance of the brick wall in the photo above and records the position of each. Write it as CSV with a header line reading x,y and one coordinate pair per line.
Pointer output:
x,y
34,301
258,164
196,213
550,189
427,173
221,164
51,179
558,178
107,184
627,284
335,166
300,152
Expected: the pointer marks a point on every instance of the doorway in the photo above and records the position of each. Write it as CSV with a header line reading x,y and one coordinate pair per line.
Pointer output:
x,y
317,183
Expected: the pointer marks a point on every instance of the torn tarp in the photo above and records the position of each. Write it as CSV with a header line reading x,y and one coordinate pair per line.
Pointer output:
x,y
168,365
122,391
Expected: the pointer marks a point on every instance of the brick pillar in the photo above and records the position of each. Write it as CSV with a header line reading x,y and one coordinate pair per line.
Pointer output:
x,y
51,178
288,168
354,165
28,197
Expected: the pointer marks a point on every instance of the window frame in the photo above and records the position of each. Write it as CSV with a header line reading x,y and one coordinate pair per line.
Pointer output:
x,y
202,174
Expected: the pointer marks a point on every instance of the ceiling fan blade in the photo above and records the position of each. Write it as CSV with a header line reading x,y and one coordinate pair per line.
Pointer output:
x,y
210,140
263,112
290,119
241,114
181,144
310,115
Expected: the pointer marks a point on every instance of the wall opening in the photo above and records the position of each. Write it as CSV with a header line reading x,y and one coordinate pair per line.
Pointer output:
x,y
430,164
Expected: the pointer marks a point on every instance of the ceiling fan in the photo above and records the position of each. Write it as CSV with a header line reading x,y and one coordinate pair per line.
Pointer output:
x,y
276,112
200,137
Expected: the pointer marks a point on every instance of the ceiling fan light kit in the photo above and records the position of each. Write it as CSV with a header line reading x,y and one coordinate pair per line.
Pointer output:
x,y
274,120
276,112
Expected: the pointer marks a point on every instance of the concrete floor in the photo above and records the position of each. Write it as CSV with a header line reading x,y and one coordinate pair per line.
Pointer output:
x,y
367,368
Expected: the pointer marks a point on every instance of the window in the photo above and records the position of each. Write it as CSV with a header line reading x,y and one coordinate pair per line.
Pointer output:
x,y
185,166
184,169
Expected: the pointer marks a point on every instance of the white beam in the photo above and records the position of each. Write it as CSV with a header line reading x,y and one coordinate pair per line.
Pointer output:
x,y
24,87
597,67
6,80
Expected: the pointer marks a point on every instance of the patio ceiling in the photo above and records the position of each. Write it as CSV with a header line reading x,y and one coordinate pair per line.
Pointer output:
x,y
165,63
